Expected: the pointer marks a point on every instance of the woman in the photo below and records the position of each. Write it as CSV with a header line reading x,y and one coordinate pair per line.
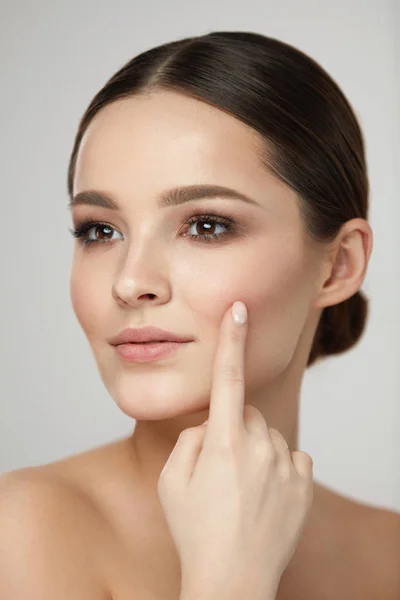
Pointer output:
x,y
160,243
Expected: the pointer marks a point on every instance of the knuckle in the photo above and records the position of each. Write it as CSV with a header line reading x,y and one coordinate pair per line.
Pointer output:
x,y
303,464
275,434
252,413
262,450
227,446
187,433
221,453
279,441
304,459
183,437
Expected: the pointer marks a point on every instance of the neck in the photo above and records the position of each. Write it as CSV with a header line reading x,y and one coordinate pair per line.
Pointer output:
x,y
153,441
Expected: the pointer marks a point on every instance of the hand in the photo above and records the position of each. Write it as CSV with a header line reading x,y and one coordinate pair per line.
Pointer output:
x,y
234,497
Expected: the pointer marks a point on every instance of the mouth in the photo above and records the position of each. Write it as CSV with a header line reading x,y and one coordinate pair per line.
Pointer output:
x,y
152,342
148,351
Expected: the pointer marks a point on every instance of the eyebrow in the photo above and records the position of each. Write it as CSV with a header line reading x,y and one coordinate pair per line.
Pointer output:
x,y
172,197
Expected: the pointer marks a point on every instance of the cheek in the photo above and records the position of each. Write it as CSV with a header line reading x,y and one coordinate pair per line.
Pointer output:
x,y
272,282
87,298
209,285
266,279
279,299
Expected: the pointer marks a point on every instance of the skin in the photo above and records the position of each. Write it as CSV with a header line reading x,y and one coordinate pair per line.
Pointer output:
x,y
151,273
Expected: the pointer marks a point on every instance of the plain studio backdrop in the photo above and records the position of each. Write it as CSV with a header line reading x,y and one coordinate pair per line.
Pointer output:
x,y
54,57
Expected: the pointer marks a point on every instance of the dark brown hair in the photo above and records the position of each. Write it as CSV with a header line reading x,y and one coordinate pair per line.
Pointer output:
x,y
313,141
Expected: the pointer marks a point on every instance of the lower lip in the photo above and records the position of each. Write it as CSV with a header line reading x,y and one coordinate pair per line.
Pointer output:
x,y
147,352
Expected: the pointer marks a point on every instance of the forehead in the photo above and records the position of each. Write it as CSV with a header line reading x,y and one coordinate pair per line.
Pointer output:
x,y
167,139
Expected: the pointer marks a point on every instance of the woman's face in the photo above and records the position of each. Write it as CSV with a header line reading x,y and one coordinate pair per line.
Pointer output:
x,y
149,271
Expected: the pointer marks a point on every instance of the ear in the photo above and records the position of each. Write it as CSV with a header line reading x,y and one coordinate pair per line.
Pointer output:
x,y
346,263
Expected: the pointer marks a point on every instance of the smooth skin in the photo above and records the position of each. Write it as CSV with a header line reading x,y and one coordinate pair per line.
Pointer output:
x,y
90,526
235,498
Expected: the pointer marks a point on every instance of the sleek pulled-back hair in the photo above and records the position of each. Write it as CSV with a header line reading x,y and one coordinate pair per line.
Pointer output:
x,y
313,141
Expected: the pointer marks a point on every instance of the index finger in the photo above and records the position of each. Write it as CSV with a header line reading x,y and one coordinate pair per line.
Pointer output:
x,y
228,386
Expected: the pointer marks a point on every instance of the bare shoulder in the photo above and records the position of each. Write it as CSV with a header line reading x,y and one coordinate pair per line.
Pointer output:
x,y
377,542
381,536
48,529
363,558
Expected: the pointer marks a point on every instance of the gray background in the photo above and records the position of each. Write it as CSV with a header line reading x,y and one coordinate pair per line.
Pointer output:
x,y
54,58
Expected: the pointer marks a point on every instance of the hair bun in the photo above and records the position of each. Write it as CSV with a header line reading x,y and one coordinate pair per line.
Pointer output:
x,y
340,327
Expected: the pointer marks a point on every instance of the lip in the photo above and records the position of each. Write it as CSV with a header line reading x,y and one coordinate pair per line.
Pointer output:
x,y
147,334
147,352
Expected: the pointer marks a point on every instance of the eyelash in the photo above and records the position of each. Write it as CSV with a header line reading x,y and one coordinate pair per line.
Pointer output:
x,y
81,231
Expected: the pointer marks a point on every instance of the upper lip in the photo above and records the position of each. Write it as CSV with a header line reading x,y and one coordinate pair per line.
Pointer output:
x,y
147,334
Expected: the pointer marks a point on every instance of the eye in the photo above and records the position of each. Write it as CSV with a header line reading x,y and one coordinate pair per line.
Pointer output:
x,y
208,221
81,232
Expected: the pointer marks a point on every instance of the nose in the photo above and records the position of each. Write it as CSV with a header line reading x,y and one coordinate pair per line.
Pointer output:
x,y
143,276
130,291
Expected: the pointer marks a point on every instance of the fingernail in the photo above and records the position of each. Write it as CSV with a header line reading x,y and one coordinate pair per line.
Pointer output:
x,y
239,312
